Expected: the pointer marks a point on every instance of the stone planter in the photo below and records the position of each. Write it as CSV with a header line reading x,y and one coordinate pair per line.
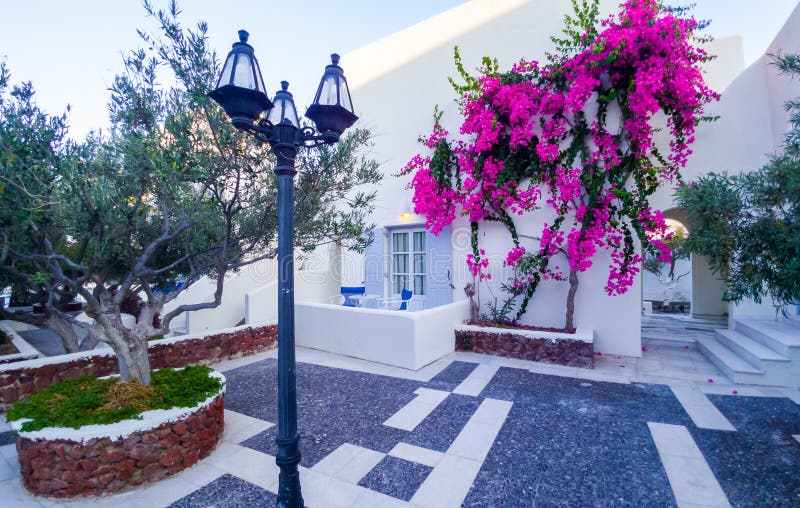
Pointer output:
x,y
574,350
100,459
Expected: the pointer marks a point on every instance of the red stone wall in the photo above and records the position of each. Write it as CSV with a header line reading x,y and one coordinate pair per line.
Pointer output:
x,y
16,383
62,468
574,353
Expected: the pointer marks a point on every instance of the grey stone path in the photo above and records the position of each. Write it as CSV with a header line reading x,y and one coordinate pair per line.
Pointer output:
x,y
481,431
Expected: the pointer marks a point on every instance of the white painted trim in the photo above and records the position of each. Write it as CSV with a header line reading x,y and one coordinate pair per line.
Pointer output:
x,y
583,334
22,345
121,429
49,360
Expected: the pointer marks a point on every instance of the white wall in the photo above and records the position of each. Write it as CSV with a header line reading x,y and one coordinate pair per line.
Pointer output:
x,y
396,81
652,289
310,286
404,339
232,308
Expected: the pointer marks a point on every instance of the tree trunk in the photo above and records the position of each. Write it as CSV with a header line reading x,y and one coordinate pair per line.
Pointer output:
x,y
133,362
130,348
573,289
64,330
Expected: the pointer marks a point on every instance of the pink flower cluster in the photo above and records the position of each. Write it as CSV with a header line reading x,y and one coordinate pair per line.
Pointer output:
x,y
640,62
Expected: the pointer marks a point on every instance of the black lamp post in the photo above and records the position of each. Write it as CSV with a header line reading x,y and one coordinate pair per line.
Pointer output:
x,y
240,91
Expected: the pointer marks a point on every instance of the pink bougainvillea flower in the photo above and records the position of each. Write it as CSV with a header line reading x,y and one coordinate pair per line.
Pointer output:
x,y
735,392
517,149
710,380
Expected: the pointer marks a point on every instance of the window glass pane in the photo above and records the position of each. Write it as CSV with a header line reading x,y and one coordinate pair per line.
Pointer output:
x,y
419,241
400,263
400,283
260,77
344,96
400,242
419,284
225,77
327,94
243,74
419,263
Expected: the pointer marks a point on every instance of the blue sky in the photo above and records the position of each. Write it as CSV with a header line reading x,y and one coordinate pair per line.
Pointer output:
x,y
71,50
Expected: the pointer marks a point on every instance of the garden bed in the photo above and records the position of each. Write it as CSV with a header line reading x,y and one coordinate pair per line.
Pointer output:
x,y
100,443
572,349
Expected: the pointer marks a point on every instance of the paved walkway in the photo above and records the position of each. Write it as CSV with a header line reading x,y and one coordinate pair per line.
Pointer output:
x,y
476,431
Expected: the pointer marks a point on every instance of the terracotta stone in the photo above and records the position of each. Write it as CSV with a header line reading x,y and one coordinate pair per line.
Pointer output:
x,y
573,353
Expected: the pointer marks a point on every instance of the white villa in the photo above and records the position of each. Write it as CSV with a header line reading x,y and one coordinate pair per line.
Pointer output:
x,y
395,83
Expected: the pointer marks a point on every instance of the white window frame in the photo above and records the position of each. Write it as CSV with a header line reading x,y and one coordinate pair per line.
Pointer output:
x,y
410,265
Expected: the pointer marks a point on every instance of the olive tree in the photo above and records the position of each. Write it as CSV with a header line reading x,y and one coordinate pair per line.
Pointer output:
x,y
173,191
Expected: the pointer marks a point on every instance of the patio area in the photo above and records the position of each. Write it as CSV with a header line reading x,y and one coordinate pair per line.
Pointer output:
x,y
475,430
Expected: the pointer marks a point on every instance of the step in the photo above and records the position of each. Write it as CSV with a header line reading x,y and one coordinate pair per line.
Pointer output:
x,y
751,350
779,336
731,364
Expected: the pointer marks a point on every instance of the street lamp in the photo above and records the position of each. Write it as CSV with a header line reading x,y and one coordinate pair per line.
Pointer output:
x,y
241,93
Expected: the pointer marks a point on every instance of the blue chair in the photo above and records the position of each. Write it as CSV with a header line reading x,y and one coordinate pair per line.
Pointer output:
x,y
392,303
405,296
348,291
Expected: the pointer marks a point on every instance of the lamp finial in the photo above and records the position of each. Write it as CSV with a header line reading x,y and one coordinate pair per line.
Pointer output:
x,y
335,59
243,36
284,85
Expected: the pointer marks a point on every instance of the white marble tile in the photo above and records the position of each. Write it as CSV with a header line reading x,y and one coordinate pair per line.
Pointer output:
x,y
7,471
689,475
250,465
622,378
476,438
553,370
239,427
477,380
413,413
702,411
796,437
13,494
448,483
416,454
794,394
349,462
323,491
372,499
201,474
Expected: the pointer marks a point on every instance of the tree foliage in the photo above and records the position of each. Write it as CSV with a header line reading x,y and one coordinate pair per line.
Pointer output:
x,y
748,225
172,192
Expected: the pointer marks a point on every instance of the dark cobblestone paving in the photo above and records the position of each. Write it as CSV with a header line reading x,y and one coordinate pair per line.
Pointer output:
x,y
570,442
759,464
228,491
396,477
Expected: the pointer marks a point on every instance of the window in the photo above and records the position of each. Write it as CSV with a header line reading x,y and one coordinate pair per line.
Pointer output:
x,y
408,262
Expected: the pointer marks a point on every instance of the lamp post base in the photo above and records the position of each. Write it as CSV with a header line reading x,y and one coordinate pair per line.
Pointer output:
x,y
288,458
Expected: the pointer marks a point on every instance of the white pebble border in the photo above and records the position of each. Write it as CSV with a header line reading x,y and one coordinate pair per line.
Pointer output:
x,y
121,429
583,334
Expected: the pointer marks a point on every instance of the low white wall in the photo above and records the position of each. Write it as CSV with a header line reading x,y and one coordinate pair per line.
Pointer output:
x,y
404,339
232,308
310,286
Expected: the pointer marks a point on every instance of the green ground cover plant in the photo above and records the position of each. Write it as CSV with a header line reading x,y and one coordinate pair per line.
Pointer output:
x,y
89,400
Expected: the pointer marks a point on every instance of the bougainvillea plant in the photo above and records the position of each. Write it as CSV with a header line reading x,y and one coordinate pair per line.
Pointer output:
x,y
574,134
